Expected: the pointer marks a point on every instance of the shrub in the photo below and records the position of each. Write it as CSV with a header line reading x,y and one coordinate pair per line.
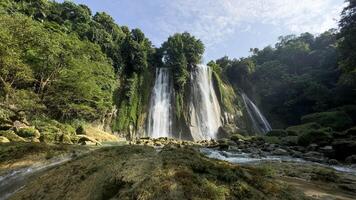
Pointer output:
x,y
338,120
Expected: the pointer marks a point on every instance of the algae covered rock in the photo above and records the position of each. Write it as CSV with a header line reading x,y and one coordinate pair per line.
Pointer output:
x,y
303,128
11,135
4,139
320,137
29,132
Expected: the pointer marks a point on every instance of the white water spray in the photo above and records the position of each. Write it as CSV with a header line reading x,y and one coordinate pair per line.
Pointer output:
x,y
259,122
160,113
204,107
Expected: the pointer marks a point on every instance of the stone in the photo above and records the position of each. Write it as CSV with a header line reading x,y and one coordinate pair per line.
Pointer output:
x,y
66,139
19,125
4,140
313,147
280,152
28,132
344,148
333,162
351,159
11,135
86,140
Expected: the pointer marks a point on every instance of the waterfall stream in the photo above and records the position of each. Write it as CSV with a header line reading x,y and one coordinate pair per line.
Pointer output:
x,y
259,122
160,112
204,106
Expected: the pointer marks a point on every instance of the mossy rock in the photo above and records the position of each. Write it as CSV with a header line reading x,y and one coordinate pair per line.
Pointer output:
x,y
351,132
350,110
277,133
4,140
325,175
11,135
320,137
289,140
303,128
338,120
237,137
29,132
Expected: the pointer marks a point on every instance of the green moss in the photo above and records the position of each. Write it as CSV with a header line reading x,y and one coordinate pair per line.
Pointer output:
x,y
272,139
321,137
133,100
226,94
338,120
28,132
323,174
303,128
236,137
11,135
278,133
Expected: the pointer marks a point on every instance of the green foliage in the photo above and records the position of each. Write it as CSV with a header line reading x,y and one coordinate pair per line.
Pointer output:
x,y
347,37
28,132
337,120
11,135
50,71
182,52
298,76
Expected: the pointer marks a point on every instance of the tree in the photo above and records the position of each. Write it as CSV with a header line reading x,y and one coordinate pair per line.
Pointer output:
x,y
182,52
347,37
13,71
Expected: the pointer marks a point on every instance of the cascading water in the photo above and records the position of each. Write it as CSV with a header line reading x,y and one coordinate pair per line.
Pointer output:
x,y
204,106
259,122
160,112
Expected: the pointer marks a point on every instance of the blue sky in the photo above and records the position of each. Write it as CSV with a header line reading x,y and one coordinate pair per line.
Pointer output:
x,y
227,27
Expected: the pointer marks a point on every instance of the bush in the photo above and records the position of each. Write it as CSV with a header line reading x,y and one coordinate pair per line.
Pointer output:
x,y
338,120
320,137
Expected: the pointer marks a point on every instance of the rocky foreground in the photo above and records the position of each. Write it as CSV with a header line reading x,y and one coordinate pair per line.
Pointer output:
x,y
170,170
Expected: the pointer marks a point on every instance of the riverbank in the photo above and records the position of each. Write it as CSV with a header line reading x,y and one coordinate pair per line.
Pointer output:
x,y
171,171
143,172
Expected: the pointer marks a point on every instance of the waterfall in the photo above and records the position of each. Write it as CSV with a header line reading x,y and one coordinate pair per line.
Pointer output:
x,y
259,122
160,112
204,106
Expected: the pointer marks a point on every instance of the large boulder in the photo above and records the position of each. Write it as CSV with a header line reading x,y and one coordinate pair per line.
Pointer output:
x,y
4,140
303,128
86,140
338,120
320,137
11,135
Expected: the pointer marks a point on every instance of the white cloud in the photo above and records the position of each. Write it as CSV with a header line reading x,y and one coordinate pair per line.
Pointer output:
x,y
214,20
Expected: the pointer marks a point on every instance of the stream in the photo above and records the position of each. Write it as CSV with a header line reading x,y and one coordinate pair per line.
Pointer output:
x,y
15,180
246,158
